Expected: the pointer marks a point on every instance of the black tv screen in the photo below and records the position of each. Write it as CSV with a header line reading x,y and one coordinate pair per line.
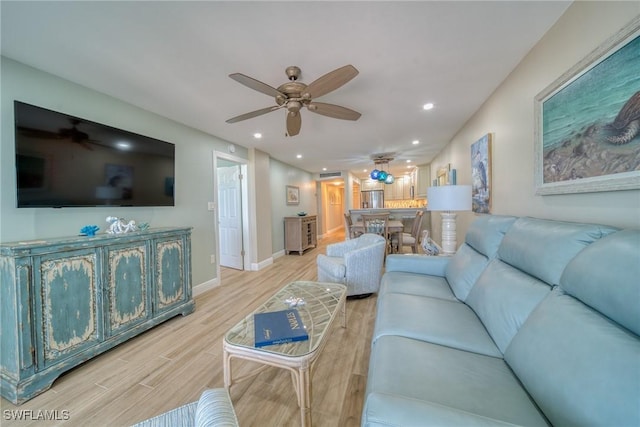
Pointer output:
x,y
66,161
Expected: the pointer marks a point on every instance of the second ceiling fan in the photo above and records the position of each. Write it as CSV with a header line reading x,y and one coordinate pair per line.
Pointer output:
x,y
294,95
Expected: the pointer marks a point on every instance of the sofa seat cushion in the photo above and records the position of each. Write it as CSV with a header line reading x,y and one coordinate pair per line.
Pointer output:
x,y
412,382
400,282
433,320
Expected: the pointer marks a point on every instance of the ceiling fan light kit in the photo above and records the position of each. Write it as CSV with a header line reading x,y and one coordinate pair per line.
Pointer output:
x,y
294,95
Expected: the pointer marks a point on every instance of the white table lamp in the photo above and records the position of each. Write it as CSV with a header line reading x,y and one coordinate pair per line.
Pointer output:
x,y
448,199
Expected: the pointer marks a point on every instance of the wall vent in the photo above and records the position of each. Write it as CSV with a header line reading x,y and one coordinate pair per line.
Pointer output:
x,y
330,174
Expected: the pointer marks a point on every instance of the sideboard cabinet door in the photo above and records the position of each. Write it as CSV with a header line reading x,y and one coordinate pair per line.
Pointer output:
x,y
128,302
68,320
172,284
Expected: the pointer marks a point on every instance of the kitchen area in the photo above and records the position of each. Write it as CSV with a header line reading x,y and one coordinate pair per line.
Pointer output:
x,y
402,198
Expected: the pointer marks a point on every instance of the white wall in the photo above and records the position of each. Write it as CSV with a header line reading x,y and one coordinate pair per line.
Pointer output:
x,y
509,115
194,164
281,175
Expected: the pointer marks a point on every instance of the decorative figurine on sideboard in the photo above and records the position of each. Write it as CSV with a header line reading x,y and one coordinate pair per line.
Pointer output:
x,y
119,226
89,230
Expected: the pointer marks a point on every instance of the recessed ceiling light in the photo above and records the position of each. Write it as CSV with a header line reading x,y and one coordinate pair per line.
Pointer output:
x,y
364,170
415,142
299,156
257,135
324,169
408,161
123,145
427,106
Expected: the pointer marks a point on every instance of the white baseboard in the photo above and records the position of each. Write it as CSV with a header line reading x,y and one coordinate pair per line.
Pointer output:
x,y
334,230
262,264
206,286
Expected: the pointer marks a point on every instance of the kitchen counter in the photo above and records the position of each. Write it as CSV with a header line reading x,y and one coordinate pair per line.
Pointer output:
x,y
406,215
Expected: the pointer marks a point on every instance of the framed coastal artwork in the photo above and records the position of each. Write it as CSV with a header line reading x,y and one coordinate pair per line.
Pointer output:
x,y
481,174
587,127
293,195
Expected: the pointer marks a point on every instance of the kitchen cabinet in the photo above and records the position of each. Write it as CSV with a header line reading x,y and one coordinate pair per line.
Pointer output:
x,y
421,181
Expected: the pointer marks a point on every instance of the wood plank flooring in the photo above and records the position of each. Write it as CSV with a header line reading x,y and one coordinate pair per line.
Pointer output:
x,y
173,363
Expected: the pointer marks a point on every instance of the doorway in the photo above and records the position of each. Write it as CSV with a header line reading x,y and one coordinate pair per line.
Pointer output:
x,y
232,216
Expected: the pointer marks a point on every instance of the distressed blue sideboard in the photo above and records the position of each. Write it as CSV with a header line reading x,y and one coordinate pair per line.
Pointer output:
x,y
66,300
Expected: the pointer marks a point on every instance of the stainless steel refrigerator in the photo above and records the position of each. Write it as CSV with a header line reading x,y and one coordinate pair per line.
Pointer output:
x,y
372,199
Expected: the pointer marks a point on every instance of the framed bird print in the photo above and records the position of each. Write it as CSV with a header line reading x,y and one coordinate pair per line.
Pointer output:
x,y
587,130
481,174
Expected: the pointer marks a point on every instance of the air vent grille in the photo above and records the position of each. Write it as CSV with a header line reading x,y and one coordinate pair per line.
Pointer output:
x,y
330,174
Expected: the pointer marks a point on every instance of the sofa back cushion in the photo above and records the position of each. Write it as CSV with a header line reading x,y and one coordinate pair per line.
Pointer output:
x,y
606,276
531,258
481,245
503,297
542,248
578,353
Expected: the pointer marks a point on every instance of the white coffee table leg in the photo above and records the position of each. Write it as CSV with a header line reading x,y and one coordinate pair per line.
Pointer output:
x,y
226,364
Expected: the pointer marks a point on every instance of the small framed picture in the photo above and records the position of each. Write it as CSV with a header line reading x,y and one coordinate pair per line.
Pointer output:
x,y
293,195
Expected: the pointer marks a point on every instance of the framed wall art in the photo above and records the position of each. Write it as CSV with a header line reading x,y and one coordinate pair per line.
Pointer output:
x,y
481,174
293,195
587,124
442,175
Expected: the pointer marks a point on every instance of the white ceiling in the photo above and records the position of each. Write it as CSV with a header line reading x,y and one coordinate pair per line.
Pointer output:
x,y
174,58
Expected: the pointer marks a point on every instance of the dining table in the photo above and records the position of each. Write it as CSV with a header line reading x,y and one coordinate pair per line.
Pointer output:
x,y
395,226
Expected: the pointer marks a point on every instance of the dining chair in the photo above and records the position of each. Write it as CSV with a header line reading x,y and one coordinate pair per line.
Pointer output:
x,y
377,224
411,239
349,231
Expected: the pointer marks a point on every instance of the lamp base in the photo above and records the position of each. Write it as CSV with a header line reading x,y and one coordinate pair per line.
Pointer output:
x,y
449,244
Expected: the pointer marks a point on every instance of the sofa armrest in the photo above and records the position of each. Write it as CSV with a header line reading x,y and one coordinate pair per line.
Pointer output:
x,y
420,264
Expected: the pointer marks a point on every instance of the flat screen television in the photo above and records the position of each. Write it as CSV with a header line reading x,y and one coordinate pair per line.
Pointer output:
x,y
67,161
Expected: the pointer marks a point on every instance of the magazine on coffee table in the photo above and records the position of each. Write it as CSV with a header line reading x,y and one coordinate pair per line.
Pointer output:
x,y
278,327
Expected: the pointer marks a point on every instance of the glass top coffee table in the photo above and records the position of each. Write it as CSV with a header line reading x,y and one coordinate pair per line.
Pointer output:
x,y
322,303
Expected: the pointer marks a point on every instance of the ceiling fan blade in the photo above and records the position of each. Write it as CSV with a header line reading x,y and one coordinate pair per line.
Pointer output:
x,y
38,133
256,85
331,81
253,114
294,123
335,111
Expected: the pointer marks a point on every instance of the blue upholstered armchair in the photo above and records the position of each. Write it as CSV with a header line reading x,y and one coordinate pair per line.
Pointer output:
x,y
356,263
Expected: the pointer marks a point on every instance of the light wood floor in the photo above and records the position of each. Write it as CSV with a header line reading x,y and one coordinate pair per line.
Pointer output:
x,y
172,363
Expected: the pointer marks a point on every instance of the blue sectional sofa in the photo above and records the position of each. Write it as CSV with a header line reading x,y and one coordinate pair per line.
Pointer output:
x,y
532,322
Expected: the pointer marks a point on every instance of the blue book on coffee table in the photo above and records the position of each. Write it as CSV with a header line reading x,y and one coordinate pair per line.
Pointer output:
x,y
278,327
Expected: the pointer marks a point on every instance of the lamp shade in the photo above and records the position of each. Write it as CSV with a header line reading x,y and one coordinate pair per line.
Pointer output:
x,y
449,198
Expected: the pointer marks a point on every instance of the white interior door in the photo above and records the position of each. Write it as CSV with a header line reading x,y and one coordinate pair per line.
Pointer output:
x,y
230,216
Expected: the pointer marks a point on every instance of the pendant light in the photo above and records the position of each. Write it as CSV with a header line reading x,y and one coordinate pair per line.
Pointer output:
x,y
382,162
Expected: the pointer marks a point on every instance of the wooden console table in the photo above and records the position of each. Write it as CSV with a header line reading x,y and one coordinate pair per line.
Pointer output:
x,y
67,300
300,233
